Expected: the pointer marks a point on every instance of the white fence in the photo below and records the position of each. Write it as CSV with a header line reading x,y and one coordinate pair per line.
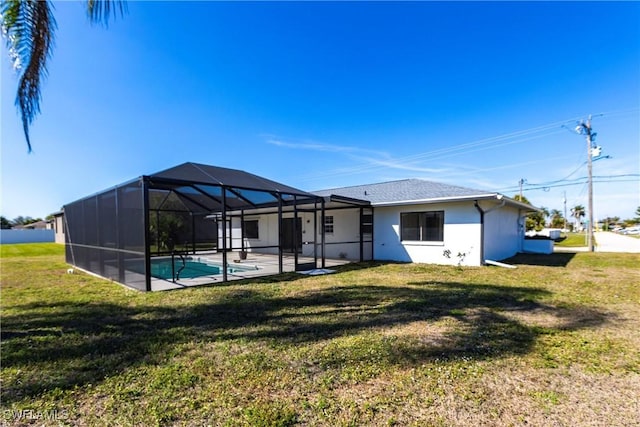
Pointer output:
x,y
537,246
26,236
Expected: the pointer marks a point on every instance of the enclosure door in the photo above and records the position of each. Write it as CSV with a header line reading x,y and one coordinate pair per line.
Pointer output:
x,y
288,240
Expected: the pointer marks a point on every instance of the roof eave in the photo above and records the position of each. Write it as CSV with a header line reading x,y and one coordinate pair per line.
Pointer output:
x,y
348,200
454,199
447,199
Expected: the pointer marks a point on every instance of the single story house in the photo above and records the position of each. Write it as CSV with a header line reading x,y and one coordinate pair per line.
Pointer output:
x,y
428,222
37,225
144,230
56,223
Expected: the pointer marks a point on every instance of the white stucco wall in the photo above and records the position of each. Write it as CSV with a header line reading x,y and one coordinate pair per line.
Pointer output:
x,y
536,246
59,229
346,229
503,233
461,235
268,233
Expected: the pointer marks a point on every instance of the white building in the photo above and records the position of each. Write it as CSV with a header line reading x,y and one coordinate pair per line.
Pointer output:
x,y
128,233
409,220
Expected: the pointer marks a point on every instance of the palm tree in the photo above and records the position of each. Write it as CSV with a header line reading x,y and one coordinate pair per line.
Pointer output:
x,y
557,221
545,214
28,27
578,212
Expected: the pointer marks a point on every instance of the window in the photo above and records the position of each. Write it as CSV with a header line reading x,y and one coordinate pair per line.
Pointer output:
x,y
328,224
251,229
422,226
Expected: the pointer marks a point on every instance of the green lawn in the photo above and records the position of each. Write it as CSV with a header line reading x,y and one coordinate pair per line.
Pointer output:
x,y
554,342
573,240
30,250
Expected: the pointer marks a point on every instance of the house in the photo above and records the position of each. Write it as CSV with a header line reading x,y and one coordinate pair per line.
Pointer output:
x,y
428,222
145,230
56,223
37,225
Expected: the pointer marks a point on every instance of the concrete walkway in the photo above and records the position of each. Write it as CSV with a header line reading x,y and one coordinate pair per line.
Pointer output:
x,y
612,242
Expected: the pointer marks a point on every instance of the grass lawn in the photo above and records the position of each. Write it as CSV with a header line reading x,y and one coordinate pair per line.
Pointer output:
x,y
573,240
554,342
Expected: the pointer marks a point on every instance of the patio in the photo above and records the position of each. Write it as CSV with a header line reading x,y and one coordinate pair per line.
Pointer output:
x,y
257,264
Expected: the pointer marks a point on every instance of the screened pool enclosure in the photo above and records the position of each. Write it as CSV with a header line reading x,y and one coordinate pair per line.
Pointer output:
x,y
199,221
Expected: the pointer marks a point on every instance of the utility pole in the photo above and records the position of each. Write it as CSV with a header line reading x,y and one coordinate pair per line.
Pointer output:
x,y
521,182
585,129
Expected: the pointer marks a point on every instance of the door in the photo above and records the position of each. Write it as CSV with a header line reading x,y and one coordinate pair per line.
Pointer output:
x,y
288,240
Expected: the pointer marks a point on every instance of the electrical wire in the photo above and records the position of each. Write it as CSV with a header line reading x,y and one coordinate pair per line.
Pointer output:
x,y
445,152
600,179
512,138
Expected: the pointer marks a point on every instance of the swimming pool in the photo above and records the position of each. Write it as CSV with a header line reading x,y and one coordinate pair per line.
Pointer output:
x,y
161,268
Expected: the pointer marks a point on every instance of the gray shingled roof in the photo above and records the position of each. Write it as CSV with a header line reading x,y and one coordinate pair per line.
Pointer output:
x,y
405,190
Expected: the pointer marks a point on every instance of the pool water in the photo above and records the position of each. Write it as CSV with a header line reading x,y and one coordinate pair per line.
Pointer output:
x,y
161,268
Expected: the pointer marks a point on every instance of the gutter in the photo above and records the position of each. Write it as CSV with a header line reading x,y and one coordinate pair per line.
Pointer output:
x,y
437,200
475,203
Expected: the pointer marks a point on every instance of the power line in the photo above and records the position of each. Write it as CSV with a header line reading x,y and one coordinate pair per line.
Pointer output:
x,y
485,143
576,183
582,179
438,154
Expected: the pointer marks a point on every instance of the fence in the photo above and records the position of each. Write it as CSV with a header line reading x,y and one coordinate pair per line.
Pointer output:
x,y
26,236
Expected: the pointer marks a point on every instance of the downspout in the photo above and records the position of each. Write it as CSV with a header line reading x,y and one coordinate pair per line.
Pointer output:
x,y
482,214
522,226
481,231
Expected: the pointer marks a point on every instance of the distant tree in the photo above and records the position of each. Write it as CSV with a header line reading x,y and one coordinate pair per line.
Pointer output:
x,y
5,224
610,222
545,214
24,220
631,222
557,220
20,220
578,212
522,199
535,220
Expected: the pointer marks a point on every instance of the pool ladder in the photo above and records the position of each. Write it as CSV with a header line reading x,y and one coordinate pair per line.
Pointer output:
x,y
174,274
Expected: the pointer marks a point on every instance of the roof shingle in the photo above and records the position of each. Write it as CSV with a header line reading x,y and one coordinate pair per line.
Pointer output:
x,y
405,190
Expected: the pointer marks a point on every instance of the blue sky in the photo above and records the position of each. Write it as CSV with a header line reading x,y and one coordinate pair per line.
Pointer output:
x,y
323,95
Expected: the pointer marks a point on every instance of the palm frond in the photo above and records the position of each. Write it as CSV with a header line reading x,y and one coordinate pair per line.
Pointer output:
x,y
102,10
28,27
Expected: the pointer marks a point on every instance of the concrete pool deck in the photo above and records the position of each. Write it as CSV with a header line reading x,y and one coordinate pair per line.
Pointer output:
x,y
266,265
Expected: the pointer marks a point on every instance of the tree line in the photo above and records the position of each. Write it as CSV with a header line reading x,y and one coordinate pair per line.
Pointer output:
x,y
6,224
555,219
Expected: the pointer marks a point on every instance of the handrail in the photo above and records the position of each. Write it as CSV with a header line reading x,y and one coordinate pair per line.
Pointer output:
x,y
174,274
